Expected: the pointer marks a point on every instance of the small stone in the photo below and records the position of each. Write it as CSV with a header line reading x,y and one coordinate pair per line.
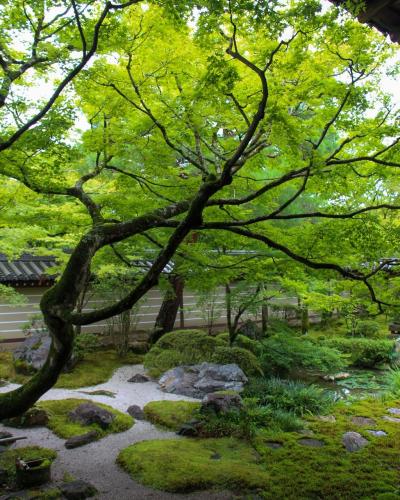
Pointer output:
x,y
5,435
77,490
136,412
394,411
377,433
139,379
190,429
215,456
327,418
391,419
353,441
81,440
337,376
273,444
89,413
313,443
363,421
306,432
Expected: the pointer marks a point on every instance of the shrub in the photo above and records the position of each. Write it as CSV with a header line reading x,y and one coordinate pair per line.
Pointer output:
x,y
242,357
393,381
367,328
365,353
285,353
85,343
289,396
242,341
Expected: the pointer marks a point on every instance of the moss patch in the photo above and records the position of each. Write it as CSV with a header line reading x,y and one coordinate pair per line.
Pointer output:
x,y
7,461
7,369
170,414
62,426
96,369
183,465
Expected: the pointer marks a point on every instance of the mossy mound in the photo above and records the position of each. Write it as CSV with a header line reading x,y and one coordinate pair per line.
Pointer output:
x,y
95,369
190,347
245,359
182,347
63,427
170,414
184,465
7,462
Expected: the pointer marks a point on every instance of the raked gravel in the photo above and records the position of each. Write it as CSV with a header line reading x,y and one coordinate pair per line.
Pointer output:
x,y
96,462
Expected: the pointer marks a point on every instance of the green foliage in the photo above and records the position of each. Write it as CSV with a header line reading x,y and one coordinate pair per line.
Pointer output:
x,y
245,359
284,353
9,295
8,370
182,347
8,457
393,381
184,465
170,414
63,427
367,328
242,341
364,353
85,343
289,395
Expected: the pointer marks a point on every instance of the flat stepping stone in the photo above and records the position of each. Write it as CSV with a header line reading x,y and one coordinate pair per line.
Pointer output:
x,y
306,432
327,418
77,490
139,379
377,433
391,419
353,441
81,440
274,445
394,411
363,421
312,443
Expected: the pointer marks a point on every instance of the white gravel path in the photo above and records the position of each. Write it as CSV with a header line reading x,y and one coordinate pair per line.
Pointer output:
x,y
96,462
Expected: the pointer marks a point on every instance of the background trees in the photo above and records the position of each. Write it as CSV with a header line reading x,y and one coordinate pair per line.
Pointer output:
x,y
265,136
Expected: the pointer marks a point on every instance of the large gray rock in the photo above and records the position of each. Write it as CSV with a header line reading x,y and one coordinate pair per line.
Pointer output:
x,y
89,413
198,380
81,440
221,403
353,441
32,354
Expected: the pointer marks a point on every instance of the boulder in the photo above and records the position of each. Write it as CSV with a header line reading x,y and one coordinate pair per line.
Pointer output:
x,y
81,440
353,441
89,413
139,379
32,354
218,402
77,490
250,329
136,412
198,380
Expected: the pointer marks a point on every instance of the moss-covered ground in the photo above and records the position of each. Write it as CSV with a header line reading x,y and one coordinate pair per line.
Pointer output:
x,y
96,368
63,427
7,463
170,414
293,471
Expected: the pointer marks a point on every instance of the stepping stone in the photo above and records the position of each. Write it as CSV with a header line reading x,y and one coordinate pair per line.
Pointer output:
x,y
215,456
274,445
377,433
139,379
76,441
136,412
391,419
312,443
353,441
306,432
327,418
363,421
77,490
394,411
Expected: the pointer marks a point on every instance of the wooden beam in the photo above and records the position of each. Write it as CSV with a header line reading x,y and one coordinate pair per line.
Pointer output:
x,y
372,9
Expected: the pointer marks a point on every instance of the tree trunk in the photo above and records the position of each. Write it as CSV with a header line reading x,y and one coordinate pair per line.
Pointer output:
x,y
169,309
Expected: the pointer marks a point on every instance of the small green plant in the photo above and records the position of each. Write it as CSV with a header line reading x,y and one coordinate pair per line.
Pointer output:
x,y
84,344
393,381
289,396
